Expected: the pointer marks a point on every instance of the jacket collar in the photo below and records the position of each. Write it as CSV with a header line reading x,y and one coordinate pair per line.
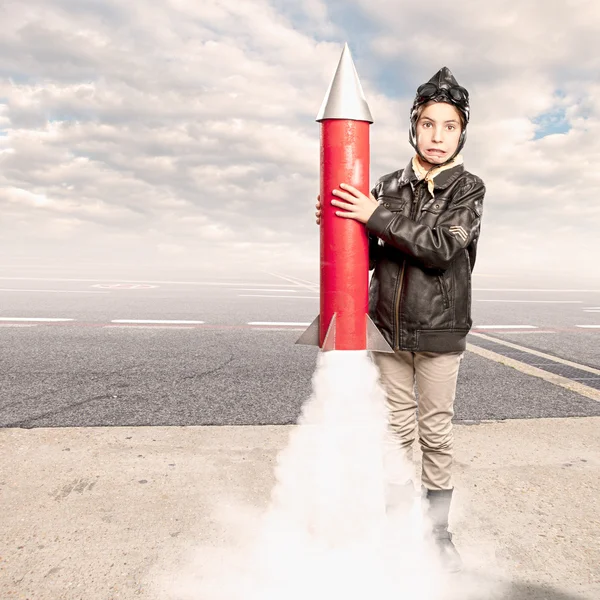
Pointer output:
x,y
442,181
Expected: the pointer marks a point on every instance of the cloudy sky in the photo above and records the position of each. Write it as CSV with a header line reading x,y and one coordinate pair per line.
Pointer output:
x,y
183,131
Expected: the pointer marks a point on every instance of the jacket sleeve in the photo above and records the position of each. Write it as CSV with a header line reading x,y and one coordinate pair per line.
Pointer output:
x,y
436,247
374,247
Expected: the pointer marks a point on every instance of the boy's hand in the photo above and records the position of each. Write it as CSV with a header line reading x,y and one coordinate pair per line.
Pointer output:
x,y
356,206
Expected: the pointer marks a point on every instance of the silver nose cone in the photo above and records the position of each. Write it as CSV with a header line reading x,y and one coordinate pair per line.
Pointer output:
x,y
345,98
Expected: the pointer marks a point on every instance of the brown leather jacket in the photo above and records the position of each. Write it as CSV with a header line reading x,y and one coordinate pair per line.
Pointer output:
x,y
423,252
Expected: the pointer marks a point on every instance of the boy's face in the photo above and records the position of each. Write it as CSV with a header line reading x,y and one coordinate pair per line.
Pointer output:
x,y
438,132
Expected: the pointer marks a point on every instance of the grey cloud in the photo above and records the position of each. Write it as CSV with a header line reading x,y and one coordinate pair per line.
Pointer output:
x,y
188,128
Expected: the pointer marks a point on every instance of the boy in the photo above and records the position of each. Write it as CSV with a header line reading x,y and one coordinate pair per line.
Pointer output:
x,y
423,224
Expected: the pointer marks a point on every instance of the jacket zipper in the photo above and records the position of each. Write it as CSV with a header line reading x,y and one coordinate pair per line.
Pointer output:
x,y
443,290
396,313
468,283
399,288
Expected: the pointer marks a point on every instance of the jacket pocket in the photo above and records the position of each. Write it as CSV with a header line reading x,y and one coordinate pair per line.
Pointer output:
x,y
435,205
393,204
443,290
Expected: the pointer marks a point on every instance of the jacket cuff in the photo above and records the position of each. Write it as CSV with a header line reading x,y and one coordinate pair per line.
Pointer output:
x,y
380,220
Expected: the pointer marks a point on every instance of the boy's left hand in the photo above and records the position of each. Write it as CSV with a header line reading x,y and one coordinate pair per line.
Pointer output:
x,y
356,206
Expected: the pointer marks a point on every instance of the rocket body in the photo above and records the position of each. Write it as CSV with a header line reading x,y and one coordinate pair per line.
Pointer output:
x,y
344,274
343,322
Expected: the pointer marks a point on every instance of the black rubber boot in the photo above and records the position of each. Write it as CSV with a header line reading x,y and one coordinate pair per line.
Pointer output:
x,y
438,510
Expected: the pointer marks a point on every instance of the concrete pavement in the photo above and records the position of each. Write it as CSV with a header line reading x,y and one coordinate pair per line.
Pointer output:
x,y
126,512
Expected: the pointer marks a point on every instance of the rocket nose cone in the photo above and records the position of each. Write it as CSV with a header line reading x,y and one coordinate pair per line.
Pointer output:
x,y
345,98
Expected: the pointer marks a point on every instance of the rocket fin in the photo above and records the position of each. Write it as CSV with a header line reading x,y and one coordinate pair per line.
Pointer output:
x,y
375,341
329,341
310,336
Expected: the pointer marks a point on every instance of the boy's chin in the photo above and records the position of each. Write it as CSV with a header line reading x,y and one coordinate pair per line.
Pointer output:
x,y
434,160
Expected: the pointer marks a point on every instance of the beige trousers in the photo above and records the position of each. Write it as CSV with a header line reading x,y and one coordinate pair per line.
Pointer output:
x,y
436,374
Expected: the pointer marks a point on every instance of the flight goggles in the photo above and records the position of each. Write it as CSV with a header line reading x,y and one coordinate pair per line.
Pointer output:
x,y
456,93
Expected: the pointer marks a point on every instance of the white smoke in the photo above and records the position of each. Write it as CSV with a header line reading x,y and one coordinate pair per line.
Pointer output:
x,y
327,529
326,533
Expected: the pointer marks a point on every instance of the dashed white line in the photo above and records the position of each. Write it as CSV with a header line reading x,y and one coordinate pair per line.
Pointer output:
x,y
137,326
505,327
277,323
251,290
276,329
311,283
269,296
522,331
36,319
225,283
295,281
533,301
157,321
53,291
172,323
299,282
529,290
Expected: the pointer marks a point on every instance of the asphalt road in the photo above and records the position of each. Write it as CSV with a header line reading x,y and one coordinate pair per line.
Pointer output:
x,y
105,366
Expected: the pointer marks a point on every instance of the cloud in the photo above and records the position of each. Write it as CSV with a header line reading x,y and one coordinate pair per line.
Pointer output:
x,y
186,130
524,65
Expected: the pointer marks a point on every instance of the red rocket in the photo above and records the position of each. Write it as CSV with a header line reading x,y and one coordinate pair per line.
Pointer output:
x,y
344,322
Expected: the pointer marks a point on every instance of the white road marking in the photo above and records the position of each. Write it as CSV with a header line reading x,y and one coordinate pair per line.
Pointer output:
x,y
505,327
247,284
276,329
40,319
573,386
278,323
53,291
244,284
157,321
302,280
521,332
16,325
268,296
299,282
134,326
555,359
535,301
589,326
126,286
529,290
250,290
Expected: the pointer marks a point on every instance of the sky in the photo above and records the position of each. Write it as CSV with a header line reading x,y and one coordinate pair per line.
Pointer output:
x,y
183,133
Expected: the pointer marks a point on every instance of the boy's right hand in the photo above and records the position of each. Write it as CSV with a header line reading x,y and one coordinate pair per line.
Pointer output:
x,y
318,213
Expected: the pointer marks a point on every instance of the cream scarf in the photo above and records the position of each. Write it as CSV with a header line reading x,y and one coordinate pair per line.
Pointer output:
x,y
422,173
